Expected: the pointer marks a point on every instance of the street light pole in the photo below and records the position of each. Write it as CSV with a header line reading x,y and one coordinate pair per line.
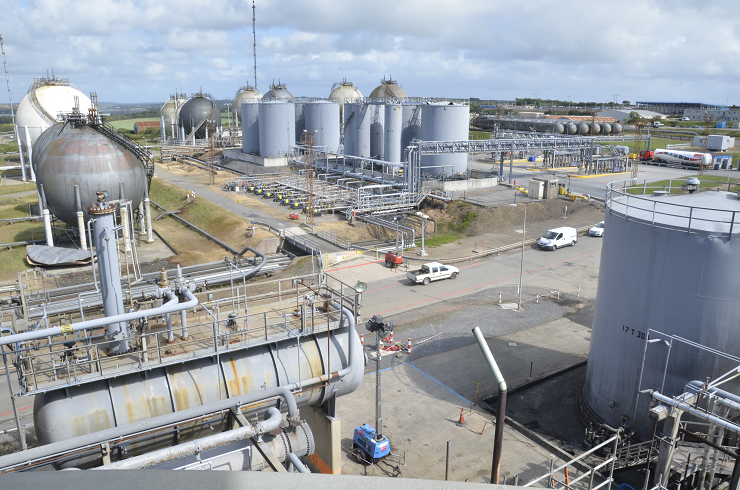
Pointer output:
x,y
521,264
228,114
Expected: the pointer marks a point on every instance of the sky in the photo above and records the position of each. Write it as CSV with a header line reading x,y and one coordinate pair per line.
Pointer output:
x,y
145,50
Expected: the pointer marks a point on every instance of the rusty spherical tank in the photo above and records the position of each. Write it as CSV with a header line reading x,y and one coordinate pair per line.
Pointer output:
x,y
65,156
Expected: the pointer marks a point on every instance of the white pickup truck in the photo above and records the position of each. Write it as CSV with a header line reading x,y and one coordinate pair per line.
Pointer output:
x,y
432,271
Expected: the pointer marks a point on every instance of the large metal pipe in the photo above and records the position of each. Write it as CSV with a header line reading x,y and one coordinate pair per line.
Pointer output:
x,y
35,455
80,219
297,463
698,413
498,439
47,228
273,417
148,214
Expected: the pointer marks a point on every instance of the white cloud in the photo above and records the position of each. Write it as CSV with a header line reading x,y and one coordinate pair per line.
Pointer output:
x,y
143,51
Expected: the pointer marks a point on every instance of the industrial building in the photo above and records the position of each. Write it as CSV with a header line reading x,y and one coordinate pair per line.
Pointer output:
x,y
722,114
622,115
674,108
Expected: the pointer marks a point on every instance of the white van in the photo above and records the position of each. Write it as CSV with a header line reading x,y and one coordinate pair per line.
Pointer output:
x,y
558,237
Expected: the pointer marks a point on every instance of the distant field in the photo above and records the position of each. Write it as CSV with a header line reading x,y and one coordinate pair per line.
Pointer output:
x,y
129,123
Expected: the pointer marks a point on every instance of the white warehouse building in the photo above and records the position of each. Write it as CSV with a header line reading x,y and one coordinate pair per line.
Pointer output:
x,y
622,115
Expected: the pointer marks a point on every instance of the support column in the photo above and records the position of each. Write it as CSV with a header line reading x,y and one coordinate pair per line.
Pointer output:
x,y
148,214
667,445
80,219
29,149
327,458
20,153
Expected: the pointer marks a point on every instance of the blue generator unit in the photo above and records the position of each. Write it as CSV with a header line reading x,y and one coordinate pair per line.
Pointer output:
x,y
374,449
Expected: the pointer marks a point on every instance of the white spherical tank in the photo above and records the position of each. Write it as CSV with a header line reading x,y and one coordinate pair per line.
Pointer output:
x,y
170,111
250,127
246,93
342,93
392,141
445,121
322,118
666,265
45,101
276,128
377,131
388,89
410,124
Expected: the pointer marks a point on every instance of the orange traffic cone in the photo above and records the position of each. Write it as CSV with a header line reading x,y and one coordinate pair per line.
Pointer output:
x,y
461,422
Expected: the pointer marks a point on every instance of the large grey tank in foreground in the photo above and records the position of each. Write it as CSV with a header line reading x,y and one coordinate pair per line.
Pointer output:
x,y
674,271
445,121
277,128
322,118
66,156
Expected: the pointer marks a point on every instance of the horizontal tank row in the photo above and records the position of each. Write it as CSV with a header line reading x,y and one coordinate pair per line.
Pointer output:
x,y
555,126
271,128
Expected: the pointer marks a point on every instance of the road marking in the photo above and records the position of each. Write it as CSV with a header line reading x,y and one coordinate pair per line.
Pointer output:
x,y
479,285
358,265
7,413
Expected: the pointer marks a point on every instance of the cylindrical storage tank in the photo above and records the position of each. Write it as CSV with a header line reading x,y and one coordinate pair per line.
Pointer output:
x,y
445,121
392,141
558,128
655,274
197,113
359,122
65,157
300,120
45,101
99,405
250,112
277,128
377,131
348,125
410,124
616,128
343,93
606,128
322,117
583,129
594,128
571,128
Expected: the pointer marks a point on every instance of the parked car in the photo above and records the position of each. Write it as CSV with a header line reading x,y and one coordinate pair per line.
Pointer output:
x,y
432,271
597,229
558,237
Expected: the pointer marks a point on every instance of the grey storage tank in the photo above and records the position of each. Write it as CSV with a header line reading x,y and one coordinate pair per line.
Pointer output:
x,y
445,121
196,113
583,129
349,134
358,121
571,128
616,128
392,141
300,120
594,128
250,127
410,124
276,128
666,264
606,128
67,156
377,131
322,117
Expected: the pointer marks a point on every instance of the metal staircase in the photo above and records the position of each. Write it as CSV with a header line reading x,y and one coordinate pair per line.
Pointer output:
x,y
145,156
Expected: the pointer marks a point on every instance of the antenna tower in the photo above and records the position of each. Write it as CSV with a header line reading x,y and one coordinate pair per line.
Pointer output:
x,y
308,140
7,80
254,43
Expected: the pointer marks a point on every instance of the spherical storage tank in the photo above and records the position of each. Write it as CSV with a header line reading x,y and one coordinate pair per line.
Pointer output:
x,y
170,111
250,127
445,121
68,156
45,101
278,91
276,128
393,124
197,113
322,118
388,89
246,93
655,274
344,92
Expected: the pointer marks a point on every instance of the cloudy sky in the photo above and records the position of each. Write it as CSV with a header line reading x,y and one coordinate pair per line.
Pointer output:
x,y
142,51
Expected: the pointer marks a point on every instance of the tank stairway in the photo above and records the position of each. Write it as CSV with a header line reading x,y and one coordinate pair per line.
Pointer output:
x,y
210,117
145,156
637,454
35,102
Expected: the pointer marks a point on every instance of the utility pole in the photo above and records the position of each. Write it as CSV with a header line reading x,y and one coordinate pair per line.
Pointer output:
x,y
12,114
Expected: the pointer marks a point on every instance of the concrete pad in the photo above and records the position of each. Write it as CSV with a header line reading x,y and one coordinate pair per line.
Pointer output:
x,y
420,415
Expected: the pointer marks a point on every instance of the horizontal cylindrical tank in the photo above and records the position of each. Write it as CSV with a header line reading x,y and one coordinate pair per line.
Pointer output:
x,y
445,121
100,405
559,128
277,128
392,141
410,124
250,127
606,128
377,131
583,128
322,118
571,128
654,274
594,128
65,156
45,101
198,112
616,128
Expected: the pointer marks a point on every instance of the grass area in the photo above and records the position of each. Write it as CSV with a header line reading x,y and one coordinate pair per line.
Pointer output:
x,y
12,261
457,226
479,135
708,182
8,147
12,189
